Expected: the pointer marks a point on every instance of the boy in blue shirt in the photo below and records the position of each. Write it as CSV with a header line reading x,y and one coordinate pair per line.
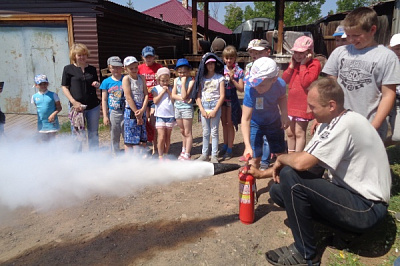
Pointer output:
x,y
264,110
113,102
48,106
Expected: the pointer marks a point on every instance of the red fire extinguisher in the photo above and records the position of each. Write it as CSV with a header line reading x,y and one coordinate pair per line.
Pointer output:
x,y
247,195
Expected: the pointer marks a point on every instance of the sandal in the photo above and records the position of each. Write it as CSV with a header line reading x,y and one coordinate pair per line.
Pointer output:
x,y
289,255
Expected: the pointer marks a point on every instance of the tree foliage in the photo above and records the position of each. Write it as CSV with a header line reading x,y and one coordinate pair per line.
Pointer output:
x,y
248,13
296,13
233,16
348,5
200,5
261,10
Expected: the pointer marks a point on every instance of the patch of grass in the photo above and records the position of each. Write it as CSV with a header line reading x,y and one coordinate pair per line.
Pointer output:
x,y
393,154
344,257
394,160
66,126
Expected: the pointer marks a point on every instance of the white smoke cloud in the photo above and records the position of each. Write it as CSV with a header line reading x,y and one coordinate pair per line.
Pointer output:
x,y
51,175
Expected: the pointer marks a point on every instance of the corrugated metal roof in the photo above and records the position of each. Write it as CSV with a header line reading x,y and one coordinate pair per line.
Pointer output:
x,y
173,12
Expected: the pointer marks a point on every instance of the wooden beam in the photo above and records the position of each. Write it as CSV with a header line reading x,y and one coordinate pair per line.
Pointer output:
x,y
194,26
280,12
206,15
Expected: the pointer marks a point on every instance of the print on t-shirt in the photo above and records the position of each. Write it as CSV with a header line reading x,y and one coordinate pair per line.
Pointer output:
x,y
355,73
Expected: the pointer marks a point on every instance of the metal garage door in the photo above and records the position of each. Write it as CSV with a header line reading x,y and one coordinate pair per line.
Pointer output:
x,y
26,51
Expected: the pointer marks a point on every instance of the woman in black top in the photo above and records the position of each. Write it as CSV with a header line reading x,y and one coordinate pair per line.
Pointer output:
x,y
79,84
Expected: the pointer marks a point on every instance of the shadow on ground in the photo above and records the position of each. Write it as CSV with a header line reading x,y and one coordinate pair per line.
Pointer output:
x,y
123,245
175,148
375,243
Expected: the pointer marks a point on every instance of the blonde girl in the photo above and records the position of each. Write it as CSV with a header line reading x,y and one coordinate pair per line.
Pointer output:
x,y
164,111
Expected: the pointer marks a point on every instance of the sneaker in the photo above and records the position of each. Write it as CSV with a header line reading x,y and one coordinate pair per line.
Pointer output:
x,y
214,159
203,158
228,156
186,158
181,156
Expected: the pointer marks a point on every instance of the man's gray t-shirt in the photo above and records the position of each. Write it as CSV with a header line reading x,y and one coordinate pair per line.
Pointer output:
x,y
361,73
350,148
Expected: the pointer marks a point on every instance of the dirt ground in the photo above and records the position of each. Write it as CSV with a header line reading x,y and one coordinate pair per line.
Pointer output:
x,y
183,223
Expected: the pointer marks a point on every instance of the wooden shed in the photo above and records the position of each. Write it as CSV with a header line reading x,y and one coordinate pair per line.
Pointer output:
x,y
35,37
324,28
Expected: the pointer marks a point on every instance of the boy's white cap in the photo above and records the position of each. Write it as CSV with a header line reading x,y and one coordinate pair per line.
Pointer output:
x,y
344,35
257,45
395,40
130,60
261,69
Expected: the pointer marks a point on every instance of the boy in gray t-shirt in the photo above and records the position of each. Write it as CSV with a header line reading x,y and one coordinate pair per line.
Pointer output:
x,y
367,72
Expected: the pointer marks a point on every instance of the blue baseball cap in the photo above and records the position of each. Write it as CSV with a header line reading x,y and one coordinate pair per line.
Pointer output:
x,y
182,62
41,79
148,50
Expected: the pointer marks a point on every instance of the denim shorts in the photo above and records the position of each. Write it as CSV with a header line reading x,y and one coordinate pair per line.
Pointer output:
x,y
275,137
165,122
183,113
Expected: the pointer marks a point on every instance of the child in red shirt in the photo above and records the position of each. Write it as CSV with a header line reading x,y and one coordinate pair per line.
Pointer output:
x,y
149,70
302,71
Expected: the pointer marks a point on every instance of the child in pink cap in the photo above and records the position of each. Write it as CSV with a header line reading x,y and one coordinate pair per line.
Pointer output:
x,y
302,71
164,111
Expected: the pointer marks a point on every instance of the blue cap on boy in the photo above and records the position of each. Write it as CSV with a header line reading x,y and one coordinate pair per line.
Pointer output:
x,y
182,62
40,79
148,50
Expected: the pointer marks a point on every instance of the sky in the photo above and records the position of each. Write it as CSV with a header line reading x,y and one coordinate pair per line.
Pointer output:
x,y
141,5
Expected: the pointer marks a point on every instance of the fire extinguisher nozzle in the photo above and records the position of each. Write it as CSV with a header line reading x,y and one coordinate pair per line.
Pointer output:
x,y
220,168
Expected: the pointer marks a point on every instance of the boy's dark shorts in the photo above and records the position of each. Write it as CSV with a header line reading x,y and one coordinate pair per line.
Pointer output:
x,y
151,104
